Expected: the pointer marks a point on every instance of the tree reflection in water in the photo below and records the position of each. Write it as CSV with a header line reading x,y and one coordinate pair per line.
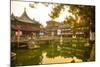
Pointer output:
x,y
52,52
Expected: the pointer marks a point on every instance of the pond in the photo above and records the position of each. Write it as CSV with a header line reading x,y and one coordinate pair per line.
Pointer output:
x,y
53,52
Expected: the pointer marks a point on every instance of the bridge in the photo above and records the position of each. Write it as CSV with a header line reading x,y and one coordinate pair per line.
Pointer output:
x,y
23,42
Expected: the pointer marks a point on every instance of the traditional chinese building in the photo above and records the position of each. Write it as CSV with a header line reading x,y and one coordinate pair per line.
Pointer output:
x,y
65,30
24,24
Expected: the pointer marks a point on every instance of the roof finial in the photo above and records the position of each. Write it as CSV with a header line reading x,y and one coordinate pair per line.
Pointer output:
x,y
12,14
24,9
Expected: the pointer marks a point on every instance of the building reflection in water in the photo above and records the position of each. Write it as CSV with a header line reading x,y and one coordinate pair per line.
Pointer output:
x,y
52,52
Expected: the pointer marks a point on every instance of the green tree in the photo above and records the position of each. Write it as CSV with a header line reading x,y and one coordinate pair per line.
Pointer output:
x,y
70,20
55,14
56,11
86,13
52,23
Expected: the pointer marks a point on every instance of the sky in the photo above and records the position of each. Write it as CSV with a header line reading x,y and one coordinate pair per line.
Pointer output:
x,y
39,13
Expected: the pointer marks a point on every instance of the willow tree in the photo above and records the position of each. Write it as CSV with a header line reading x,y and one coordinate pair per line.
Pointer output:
x,y
51,23
71,21
56,12
86,15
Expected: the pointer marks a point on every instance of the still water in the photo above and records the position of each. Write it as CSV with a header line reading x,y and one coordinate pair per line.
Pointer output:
x,y
53,52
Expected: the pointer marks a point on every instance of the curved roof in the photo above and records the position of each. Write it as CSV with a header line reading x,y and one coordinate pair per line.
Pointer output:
x,y
12,16
24,18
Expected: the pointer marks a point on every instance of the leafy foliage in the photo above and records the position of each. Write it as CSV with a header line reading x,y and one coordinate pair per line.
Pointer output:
x,y
52,23
56,11
87,14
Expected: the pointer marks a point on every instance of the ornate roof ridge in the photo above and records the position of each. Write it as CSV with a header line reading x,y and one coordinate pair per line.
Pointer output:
x,y
24,17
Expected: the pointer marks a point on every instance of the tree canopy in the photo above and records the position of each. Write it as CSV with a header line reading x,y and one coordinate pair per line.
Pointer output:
x,y
56,11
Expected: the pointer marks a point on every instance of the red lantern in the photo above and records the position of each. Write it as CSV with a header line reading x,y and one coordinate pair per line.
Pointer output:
x,y
19,33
